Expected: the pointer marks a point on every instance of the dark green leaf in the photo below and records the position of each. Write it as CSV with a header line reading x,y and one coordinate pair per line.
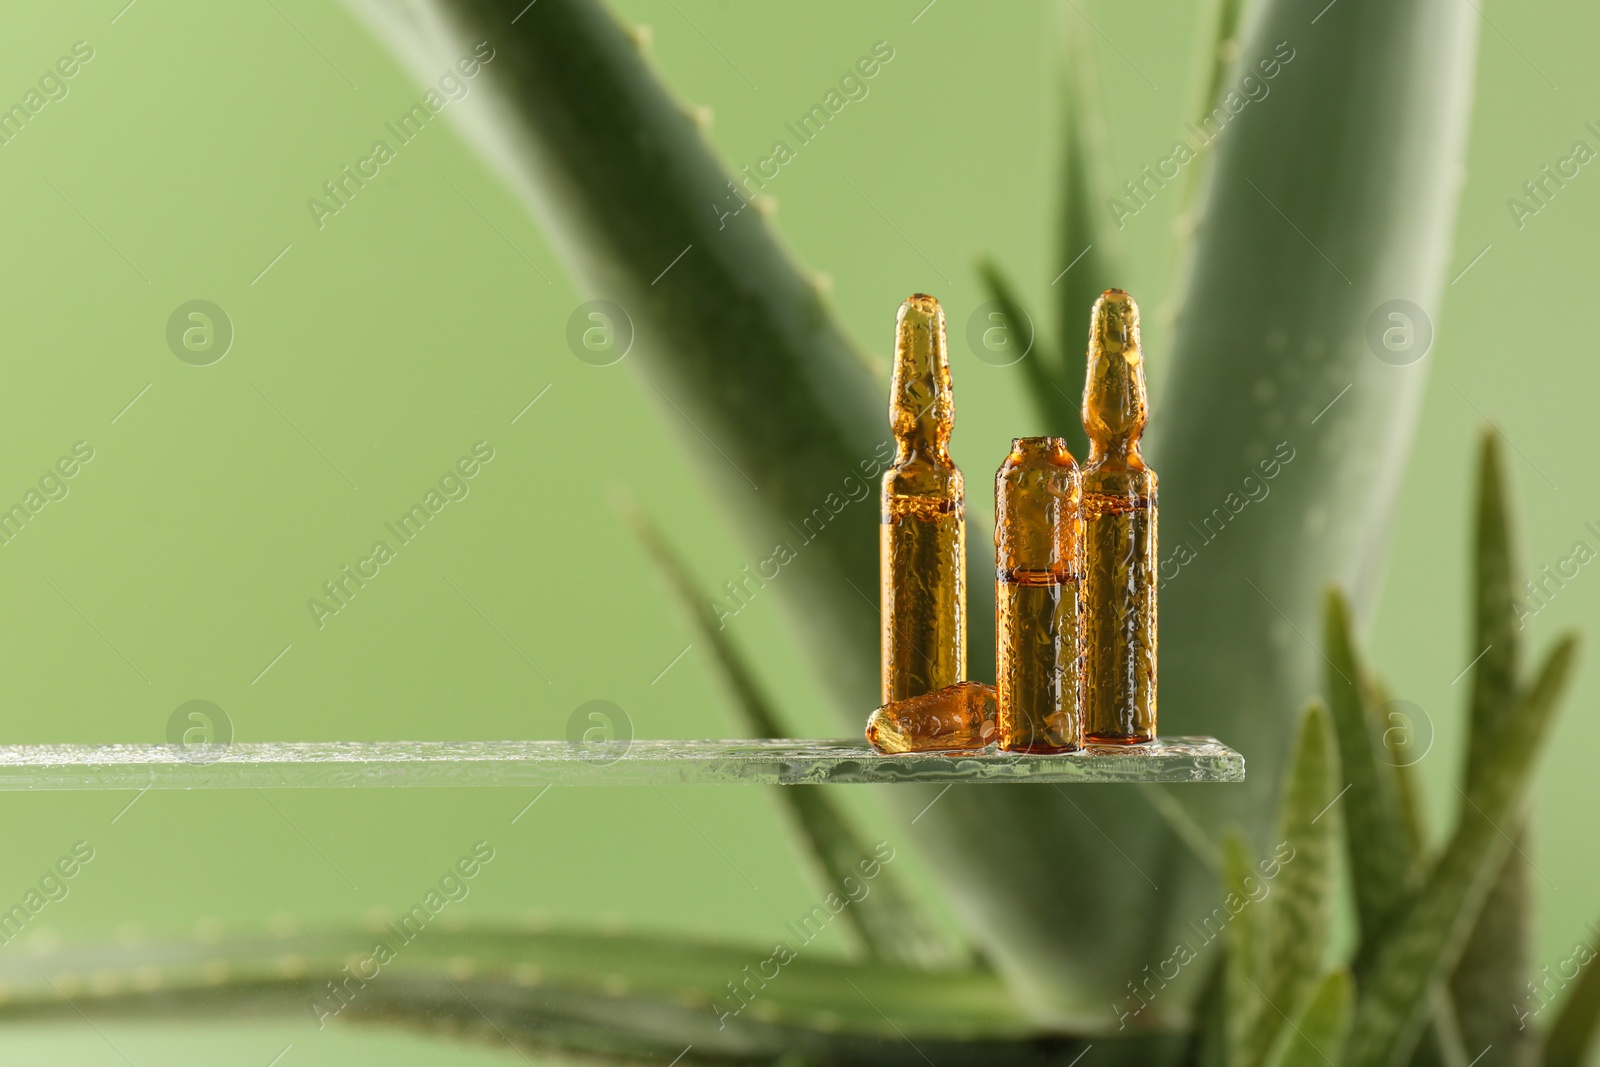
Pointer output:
x,y
1298,912
634,998
1218,58
1409,796
1208,1041
1042,366
1492,974
1382,862
1246,964
1572,1034
1440,1045
1495,640
1494,966
1426,940
1182,825
1270,370
1316,1038
1087,259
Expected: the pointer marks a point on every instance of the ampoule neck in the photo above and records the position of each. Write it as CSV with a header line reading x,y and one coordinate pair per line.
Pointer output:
x,y
1038,452
921,401
1115,452
915,449
1115,405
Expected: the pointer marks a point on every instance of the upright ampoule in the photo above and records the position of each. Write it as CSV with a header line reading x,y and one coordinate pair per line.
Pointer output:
x,y
922,545
1038,547
1119,518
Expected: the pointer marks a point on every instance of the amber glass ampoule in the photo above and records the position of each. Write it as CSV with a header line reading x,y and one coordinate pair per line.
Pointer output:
x,y
956,718
1038,571
922,569
1119,519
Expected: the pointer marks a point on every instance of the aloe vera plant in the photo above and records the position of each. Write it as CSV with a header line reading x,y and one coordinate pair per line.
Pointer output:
x,y
1274,997
620,175
1293,245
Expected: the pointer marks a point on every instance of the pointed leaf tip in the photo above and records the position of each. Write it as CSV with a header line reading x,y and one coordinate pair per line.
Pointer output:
x,y
1376,841
1041,365
1494,965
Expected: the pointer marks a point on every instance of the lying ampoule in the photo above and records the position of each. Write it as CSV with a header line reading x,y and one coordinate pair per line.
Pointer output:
x,y
960,716
1119,515
922,568
1038,570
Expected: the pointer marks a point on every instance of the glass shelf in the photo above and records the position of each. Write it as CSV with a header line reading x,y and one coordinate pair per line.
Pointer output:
x,y
412,764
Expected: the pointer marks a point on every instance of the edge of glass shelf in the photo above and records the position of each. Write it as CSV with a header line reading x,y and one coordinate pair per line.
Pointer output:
x,y
417,764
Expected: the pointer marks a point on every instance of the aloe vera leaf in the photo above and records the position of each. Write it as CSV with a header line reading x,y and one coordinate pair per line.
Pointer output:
x,y
1495,638
888,919
1440,1044
1409,796
1297,912
1182,825
1316,1037
1042,366
1494,966
1088,257
1491,977
1383,865
1269,335
633,997
737,344
1245,967
1572,1034
1218,57
1383,827
1426,940
1209,1040
1374,849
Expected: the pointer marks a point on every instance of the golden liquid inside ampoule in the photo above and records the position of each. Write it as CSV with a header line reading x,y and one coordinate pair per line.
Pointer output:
x,y
957,717
922,568
1038,572
1119,521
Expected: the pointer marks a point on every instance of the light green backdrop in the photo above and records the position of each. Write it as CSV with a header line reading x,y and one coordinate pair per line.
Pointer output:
x,y
373,352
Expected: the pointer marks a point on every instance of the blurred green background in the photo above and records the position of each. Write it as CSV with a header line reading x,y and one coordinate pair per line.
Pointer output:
x,y
372,353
